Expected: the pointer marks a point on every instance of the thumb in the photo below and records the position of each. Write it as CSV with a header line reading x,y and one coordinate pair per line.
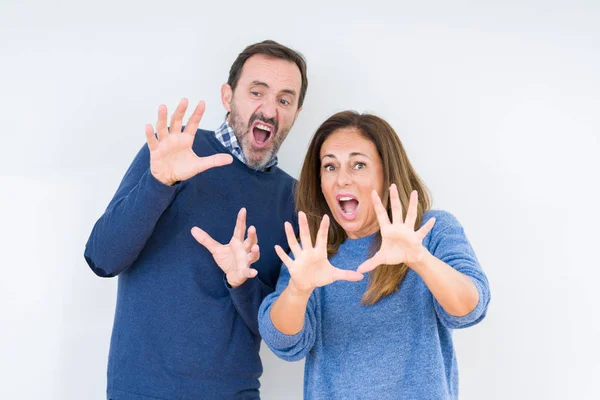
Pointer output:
x,y
370,264
251,273
424,230
253,255
345,275
216,160
205,240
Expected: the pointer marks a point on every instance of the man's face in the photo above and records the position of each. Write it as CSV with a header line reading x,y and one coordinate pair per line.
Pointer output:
x,y
263,107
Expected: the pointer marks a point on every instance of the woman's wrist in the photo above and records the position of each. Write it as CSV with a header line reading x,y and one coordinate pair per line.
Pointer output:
x,y
296,293
422,261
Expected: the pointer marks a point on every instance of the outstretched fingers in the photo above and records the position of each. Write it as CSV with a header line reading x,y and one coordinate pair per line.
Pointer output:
x,y
284,257
411,213
216,160
177,117
370,264
192,124
426,228
395,204
151,138
162,131
323,233
251,240
304,231
380,212
346,275
291,239
205,239
240,225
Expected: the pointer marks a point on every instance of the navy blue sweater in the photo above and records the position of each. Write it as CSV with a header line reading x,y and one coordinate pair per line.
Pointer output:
x,y
180,332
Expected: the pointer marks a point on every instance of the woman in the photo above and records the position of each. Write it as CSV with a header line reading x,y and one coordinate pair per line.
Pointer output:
x,y
387,336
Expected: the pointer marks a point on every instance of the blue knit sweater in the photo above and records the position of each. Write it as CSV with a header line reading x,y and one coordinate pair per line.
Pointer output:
x,y
399,348
180,332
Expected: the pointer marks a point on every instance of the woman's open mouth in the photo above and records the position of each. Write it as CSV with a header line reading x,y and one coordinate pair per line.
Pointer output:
x,y
348,206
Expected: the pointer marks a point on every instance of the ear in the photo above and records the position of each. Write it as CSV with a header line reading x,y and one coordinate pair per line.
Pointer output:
x,y
226,96
297,113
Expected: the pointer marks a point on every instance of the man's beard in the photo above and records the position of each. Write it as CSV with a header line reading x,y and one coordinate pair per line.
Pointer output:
x,y
259,158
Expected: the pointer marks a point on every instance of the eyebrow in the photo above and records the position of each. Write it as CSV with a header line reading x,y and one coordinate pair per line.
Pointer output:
x,y
354,153
265,85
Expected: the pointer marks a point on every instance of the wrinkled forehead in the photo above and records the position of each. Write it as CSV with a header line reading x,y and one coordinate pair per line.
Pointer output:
x,y
272,73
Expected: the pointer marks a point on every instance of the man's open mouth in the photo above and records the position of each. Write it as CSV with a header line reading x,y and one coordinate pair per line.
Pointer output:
x,y
262,133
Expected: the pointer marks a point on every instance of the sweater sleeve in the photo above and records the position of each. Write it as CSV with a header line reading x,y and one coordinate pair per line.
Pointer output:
x,y
289,347
247,299
122,231
449,243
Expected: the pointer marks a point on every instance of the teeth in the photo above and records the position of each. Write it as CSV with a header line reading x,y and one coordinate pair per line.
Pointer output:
x,y
346,198
263,127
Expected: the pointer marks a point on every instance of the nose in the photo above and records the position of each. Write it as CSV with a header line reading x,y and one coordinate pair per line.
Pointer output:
x,y
344,178
269,108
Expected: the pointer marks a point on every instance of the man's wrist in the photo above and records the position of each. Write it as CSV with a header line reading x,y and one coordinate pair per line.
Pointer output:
x,y
163,180
234,283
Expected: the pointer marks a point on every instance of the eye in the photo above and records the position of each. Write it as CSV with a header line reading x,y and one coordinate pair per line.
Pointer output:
x,y
284,102
359,165
329,167
255,93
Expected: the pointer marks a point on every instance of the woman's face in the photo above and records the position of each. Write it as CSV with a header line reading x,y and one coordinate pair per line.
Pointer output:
x,y
350,170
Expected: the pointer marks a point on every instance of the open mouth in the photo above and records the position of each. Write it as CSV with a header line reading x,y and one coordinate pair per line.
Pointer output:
x,y
262,133
348,205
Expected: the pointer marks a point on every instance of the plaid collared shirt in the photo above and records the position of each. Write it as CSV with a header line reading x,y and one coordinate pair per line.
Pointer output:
x,y
227,138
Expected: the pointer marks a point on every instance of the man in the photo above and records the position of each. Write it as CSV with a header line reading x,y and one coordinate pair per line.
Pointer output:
x,y
186,317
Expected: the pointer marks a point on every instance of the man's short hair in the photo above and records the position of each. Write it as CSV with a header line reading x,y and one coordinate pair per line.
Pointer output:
x,y
272,49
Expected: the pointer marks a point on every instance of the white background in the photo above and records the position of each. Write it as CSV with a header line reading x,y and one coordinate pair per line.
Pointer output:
x,y
497,103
